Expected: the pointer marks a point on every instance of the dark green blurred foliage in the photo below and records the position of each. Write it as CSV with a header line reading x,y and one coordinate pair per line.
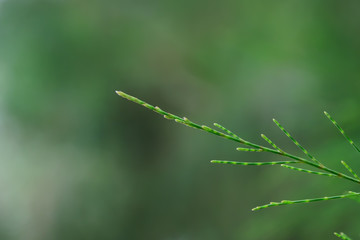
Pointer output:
x,y
78,162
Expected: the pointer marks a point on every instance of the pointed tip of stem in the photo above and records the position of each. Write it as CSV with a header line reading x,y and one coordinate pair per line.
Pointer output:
x,y
262,135
275,121
213,161
120,93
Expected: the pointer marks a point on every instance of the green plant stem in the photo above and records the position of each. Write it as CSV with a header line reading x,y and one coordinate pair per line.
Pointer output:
x,y
350,170
253,163
287,202
258,148
233,137
342,131
342,236
296,142
271,143
249,149
308,171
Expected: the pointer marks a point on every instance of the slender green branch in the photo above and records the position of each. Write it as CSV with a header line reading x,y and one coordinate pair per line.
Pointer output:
x,y
178,119
288,202
322,167
253,163
308,171
342,236
350,170
342,131
227,131
276,150
232,137
271,143
252,147
296,142
249,149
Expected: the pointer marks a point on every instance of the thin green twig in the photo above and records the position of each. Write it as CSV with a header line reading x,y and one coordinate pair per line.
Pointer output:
x,y
308,171
233,137
249,149
288,202
276,150
342,131
271,143
252,163
342,236
296,142
350,169
226,130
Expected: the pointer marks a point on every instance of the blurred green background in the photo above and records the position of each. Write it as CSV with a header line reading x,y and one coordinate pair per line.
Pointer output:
x,y
79,162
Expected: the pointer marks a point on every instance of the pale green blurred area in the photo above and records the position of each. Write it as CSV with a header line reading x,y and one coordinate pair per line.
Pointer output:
x,y
79,162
